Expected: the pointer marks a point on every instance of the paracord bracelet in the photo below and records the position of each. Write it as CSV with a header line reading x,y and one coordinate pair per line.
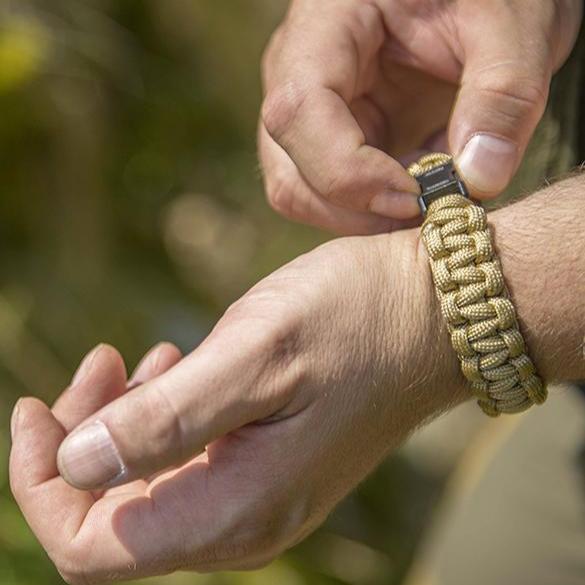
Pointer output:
x,y
471,290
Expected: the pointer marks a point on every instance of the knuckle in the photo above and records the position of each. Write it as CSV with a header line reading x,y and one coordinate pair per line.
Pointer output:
x,y
270,348
279,337
340,188
280,194
271,317
166,433
524,96
283,339
280,109
156,414
370,18
276,339
234,312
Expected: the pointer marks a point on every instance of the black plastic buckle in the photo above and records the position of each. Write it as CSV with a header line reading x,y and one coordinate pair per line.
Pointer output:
x,y
440,181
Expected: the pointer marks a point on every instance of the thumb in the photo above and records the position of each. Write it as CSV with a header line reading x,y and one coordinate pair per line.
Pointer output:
x,y
503,94
166,421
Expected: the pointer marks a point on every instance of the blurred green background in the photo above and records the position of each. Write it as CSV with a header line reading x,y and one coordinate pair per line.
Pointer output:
x,y
132,211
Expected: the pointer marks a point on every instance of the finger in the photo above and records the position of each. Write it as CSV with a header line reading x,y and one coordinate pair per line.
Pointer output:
x,y
290,195
73,528
171,418
310,85
107,371
121,535
38,432
158,360
47,502
100,378
45,499
504,90
435,143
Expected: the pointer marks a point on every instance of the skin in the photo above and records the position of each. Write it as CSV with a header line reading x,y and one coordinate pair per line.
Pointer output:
x,y
354,89
236,452
299,392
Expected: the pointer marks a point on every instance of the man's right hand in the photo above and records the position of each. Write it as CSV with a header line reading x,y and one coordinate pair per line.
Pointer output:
x,y
357,88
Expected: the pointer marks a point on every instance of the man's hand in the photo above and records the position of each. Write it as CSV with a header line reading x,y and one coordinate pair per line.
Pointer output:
x,y
356,87
298,393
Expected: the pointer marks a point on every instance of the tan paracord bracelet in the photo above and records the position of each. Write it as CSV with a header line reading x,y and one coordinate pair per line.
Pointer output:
x,y
471,290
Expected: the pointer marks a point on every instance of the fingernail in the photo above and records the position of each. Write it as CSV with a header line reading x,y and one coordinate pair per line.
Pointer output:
x,y
487,163
89,458
395,205
14,419
85,366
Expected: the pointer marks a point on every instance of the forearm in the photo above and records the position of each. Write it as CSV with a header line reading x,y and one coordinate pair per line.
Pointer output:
x,y
541,243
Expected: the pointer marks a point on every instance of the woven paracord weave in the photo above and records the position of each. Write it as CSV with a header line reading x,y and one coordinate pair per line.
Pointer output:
x,y
475,302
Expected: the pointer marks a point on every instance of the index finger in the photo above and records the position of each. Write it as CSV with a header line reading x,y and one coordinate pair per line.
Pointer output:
x,y
313,71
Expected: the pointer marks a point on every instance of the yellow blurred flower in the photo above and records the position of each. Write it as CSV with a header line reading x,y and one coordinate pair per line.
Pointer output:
x,y
23,50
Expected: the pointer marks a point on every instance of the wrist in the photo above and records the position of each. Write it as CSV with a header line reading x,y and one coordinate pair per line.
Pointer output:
x,y
447,383
430,379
